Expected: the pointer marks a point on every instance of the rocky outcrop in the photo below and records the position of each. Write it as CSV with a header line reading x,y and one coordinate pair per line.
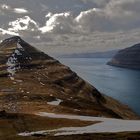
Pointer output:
x,y
31,82
127,58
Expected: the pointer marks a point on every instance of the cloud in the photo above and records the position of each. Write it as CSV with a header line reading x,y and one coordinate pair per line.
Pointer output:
x,y
123,9
5,32
124,14
20,10
56,44
22,24
58,23
110,16
115,15
91,20
99,3
86,21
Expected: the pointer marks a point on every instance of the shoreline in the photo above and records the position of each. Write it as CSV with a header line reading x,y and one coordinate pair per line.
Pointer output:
x,y
123,108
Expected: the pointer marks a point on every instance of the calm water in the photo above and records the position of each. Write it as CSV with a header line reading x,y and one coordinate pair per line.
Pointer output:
x,y
119,83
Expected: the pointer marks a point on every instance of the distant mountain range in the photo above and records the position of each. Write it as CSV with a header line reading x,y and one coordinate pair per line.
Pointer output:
x,y
106,54
127,58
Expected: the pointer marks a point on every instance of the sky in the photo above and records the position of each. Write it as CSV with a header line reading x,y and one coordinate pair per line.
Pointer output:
x,y
72,26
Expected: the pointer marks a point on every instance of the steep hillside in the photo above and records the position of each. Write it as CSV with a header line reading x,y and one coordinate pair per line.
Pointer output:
x,y
127,58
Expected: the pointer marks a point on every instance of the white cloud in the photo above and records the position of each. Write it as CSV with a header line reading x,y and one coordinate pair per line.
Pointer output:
x,y
115,15
58,23
48,15
91,20
20,10
5,32
110,16
22,24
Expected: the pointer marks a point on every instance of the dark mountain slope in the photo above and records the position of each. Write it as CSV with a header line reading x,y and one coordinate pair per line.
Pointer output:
x,y
127,58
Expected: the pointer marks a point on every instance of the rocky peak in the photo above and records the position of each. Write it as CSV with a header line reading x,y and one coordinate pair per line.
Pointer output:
x,y
20,48
17,54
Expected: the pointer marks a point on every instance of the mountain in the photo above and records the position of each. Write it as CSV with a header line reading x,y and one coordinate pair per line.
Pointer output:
x,y
127,58
106,54
39,93
32,81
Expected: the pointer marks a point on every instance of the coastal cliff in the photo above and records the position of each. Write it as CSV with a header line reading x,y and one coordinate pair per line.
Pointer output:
x,y
127,58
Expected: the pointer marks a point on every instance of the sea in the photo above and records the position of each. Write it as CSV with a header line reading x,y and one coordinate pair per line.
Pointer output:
x,y
119,83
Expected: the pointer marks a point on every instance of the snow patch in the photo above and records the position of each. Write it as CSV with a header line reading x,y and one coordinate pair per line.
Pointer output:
x,y
79,117
57,102
12,63
31,133
105,125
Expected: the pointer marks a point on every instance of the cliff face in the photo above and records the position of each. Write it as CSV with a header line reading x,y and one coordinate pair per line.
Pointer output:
x,y
31,82
127,58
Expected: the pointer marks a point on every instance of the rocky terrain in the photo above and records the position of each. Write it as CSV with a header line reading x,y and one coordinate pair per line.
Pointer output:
x,y
127,58
33,82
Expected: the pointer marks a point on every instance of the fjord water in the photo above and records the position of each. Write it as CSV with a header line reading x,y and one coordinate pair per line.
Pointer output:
x,y
119,83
